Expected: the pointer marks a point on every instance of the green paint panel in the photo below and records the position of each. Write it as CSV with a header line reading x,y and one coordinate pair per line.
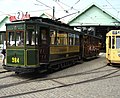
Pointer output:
x,y
32,57
15,57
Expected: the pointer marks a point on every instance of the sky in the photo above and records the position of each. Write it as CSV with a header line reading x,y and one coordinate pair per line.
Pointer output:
x,y
62,7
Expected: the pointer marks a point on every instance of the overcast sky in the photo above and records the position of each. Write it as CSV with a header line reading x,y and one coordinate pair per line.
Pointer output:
x,y
62,7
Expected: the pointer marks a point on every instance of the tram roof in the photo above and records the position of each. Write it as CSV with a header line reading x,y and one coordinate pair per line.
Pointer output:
x,y
45,20
113,32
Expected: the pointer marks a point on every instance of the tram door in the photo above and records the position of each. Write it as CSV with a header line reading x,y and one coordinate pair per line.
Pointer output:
x,y
110,47
112,54
44,45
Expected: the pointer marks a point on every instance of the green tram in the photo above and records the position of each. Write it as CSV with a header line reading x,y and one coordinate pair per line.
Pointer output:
x,y
41,44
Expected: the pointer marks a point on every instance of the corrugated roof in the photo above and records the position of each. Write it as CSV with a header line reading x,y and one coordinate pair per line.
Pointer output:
x,y
94,15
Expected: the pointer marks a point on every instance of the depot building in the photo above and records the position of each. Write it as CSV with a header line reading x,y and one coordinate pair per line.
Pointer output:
x,y
96,21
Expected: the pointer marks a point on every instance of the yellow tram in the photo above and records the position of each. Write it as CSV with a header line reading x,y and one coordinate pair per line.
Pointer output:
x,y
113,47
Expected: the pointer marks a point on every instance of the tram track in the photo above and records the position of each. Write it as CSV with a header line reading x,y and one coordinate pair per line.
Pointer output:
x,y
61,85
77,74
4,71
72,75
54,79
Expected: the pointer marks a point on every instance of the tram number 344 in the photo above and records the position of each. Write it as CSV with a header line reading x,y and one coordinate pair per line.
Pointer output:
x,y
15,60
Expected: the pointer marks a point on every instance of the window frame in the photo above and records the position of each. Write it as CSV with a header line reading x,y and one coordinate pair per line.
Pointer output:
x,y
15,41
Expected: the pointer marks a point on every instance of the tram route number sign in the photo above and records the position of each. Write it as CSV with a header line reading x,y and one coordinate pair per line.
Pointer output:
x,y
15,60
20,16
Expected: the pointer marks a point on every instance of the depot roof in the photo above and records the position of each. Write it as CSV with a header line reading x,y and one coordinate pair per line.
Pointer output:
x,y
94,15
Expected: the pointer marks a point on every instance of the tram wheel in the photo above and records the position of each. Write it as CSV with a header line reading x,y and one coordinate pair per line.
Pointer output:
x,y
109,64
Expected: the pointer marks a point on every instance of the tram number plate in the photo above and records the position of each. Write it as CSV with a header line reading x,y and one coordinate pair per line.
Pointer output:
x,y
15,60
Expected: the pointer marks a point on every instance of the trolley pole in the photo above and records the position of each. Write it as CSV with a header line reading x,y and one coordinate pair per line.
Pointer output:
x,y
53,12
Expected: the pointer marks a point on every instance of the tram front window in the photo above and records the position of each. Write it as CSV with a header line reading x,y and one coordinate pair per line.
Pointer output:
x,y
15,38
118,42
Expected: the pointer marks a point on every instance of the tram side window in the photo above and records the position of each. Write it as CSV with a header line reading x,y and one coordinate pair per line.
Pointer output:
x,y
113,42
61,38
19,38
30,40
15,38
37,36
109,41
52,37
117,42
11,39
2,38
71,39
77,41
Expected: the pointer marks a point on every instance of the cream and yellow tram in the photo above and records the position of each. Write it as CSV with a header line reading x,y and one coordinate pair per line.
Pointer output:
x,y
113,47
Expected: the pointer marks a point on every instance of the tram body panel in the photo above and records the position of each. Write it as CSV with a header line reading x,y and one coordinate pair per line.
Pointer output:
x,y
91,46
63,52
113,46
113,56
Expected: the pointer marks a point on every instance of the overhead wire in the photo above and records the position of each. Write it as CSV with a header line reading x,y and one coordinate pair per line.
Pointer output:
x,y
112,5
75,4
66,16
62,7
68,6
113,8
65,10
43,4
76,9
